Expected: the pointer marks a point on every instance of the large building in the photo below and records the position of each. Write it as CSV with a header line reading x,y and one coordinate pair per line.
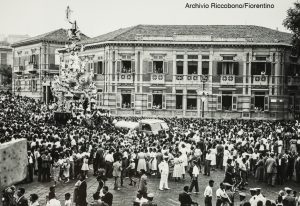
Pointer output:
x,y
205,71
35,62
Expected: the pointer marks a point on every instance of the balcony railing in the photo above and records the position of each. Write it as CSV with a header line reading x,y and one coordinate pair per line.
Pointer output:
x,y
31,68
180,78
260,80
125,78
18,69
192,77
158,78
227,79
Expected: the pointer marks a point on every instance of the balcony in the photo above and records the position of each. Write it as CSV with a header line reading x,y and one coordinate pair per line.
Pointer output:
x,y
227,80
260,80
18,69
126,78
31,68
157,78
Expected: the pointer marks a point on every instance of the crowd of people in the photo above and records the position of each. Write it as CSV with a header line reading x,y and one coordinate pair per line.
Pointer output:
x,y
264,150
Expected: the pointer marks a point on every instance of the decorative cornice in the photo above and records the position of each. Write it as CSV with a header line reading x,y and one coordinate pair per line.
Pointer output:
x,y
182,44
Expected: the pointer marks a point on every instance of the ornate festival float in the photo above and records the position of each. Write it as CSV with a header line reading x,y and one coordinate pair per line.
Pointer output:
x,y
75,80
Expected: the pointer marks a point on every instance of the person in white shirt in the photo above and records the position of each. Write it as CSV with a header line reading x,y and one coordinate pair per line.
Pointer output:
x,y
195,174
53,201
208,193
164,171
220,194
208,159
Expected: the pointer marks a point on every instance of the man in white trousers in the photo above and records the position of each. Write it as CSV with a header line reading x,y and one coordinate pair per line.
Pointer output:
x,y
164,173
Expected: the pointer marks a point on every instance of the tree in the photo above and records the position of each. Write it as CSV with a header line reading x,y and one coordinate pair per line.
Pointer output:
x,y
292,22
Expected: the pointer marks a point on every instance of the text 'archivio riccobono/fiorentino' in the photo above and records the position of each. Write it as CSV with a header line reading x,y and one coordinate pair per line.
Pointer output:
x,y
214,5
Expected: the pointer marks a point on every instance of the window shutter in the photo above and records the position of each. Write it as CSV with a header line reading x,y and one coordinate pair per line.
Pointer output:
x,y
219,102
234,102
219,68
291,102
118,66
16,61
266,108
149,101
268,68
165,67
95,68
118,101
150,67
164,102
133,66
253,68
99,98
132,100
236,68
36,59
252,103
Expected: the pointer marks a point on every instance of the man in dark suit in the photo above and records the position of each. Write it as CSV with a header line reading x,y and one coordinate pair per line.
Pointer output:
x,y
82,191
21,200
108,197
185,199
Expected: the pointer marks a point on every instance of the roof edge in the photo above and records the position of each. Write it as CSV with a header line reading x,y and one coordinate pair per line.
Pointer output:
x,y
190,43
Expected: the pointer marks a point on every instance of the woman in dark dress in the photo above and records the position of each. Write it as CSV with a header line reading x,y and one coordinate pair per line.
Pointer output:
x,y
259,172
229,174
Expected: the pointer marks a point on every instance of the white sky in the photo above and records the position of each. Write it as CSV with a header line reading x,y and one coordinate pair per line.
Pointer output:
x,y
96,17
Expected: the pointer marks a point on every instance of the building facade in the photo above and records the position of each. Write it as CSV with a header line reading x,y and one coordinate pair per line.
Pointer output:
x,y
196,71
5,63
35,62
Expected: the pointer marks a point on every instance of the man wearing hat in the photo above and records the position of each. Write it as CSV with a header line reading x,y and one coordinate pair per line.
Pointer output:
x,y
289,200
260,197
229,194
150,197
253,199
242,198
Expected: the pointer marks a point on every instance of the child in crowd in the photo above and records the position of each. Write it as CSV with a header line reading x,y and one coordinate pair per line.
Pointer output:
x,y
68,201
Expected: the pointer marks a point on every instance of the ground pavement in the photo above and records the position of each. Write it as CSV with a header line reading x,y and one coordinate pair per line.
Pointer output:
x,y
163,198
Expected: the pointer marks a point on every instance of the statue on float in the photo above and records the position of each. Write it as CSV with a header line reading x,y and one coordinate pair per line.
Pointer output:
x,y
75,80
